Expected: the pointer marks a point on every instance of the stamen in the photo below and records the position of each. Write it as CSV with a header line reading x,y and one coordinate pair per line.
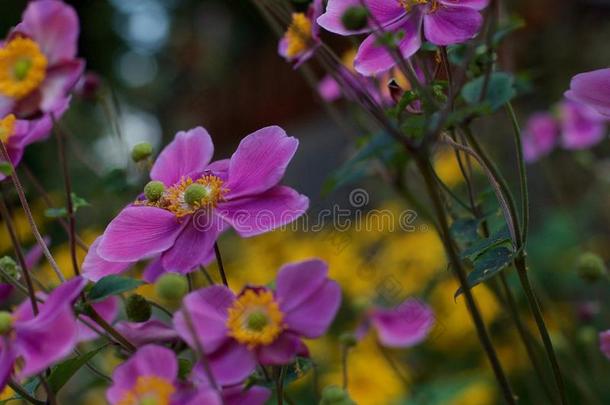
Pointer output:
x,y
409,4
22,67
149,390
298,34
255,319
7,125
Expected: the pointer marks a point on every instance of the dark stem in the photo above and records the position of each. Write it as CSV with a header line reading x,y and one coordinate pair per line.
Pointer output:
x,y
221,268
460,272
206,275
23,393
279,385
92,313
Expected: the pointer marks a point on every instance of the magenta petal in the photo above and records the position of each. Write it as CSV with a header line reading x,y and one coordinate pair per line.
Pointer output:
x,y
207,396
260,161
94,267
582,126
8,355
108,309
252,216
384,12
475,4
138,232
404,326
143,333
150,360
314,315
207,309
282,351
452,25
54,25
195,244
540,136
373,58
186,156
254,395
59,82
232,363
153,270
593,89
296,282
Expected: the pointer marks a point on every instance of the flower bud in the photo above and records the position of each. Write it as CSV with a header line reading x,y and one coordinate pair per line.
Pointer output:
x,y
88,86
348,339
591,267
137,308
154,190
141,151
355,18
9,267
6,322
333,395
171,286
195,193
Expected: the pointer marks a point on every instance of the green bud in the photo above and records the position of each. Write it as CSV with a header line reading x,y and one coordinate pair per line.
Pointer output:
x,y
257,321
195,193
184,368
137,308
154,190
141,151
591,267
348,339
355,18
333,395
6,322
171,286
9,267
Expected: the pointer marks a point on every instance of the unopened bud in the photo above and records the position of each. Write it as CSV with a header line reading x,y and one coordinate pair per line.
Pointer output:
x,y
154,190
141,151
137,308
6,322
355,18
184,368
9,267
171,286
348,339
333,395
591,267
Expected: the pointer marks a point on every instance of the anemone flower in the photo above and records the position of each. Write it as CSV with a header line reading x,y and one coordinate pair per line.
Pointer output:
x,y
403,326
43,339
540,136
581,126
592,89
302,36
259,325
38,64
194,201
443,22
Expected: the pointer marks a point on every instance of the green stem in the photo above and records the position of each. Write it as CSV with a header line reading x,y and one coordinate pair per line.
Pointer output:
x,y
522,174
460,272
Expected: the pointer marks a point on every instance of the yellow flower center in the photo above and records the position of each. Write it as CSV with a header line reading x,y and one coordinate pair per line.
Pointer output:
x,y
255,319
298,34
7,125
149,390
188,196
22,67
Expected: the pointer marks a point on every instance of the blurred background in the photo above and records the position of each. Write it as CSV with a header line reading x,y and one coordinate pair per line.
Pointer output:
x,y
169,65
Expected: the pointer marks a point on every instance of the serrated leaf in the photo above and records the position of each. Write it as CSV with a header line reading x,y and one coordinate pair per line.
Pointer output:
x,y
487,266
112,285
62,373
500,90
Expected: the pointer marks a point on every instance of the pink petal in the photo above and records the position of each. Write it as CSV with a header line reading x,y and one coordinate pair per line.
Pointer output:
x,y
151,331
404,326
232,363
59,82
251,216
260,161
452,25
475,4
94,267
54,25
108,309
384,12
282,351
138,232
593,89
186,156
297,281
314,315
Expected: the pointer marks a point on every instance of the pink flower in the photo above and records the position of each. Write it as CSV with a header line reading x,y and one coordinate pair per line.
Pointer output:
x,y
443,22
201,200
604,343
592,89
259,325
43,339
403,326
302,36
540,136
38,64
581,126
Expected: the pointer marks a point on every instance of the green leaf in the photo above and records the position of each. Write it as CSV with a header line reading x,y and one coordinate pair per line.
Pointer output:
x,y
482,245
112,285
487,265
513,24
500,90
6,168
77,203
62,373
465,231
